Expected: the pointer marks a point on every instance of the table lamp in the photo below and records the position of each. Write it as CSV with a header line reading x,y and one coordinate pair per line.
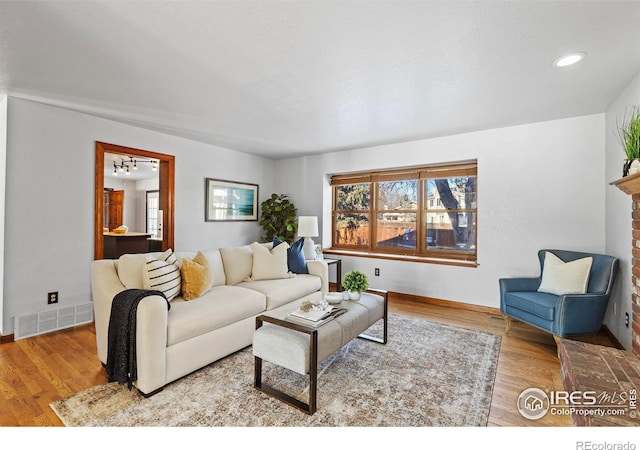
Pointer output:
x,y
308,228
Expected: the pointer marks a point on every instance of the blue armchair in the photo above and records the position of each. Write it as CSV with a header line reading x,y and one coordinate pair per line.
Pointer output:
x,y
561,315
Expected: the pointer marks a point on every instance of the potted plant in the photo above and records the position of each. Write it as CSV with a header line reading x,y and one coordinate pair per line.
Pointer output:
x,y
629,137
355,282
278,218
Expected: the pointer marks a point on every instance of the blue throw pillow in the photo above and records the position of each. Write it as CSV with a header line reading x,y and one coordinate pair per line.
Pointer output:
x,y
295,256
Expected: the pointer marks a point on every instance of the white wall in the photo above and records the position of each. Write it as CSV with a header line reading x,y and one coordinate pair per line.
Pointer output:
x,y
539,185
618,216
50,204
3,158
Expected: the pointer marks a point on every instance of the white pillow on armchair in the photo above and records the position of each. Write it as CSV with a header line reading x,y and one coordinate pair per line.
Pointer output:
x,y
561,278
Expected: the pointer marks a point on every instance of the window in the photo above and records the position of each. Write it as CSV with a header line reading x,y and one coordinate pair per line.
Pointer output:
x,y
352,215
424,212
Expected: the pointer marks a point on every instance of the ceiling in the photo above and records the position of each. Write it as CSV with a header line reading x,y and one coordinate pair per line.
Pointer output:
x,y
288,78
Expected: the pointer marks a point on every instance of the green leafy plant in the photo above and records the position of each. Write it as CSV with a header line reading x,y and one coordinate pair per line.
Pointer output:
x,y
355,281
278,218
629,133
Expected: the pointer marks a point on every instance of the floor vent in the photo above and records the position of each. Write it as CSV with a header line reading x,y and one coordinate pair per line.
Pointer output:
x,y
52,320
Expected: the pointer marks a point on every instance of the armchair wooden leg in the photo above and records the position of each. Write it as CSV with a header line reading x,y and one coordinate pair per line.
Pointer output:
x,y
507,319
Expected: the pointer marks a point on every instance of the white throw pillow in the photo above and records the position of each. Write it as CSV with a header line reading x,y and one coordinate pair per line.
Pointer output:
x,y
216,266
237,263
163,275
269,264
560,278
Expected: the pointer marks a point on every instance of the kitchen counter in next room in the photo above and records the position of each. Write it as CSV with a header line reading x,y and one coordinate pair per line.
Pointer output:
x,y
117,244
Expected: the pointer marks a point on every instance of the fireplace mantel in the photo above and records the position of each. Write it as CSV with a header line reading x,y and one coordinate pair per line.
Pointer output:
x,y
629,184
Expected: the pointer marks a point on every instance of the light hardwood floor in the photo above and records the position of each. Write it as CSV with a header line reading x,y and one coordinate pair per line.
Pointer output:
x,y
37,371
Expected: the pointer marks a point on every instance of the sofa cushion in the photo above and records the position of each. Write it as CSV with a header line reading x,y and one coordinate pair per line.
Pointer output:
x,y
162,274
196,276
218,277
221,306
285,290
561,278
269,264
238,263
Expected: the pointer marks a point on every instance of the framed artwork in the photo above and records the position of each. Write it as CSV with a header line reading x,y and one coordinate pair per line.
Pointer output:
x,y
230,201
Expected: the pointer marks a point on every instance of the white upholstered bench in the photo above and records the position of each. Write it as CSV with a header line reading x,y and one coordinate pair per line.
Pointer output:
x,y
300,349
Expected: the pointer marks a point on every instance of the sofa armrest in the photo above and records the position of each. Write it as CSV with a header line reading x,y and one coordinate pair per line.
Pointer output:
x,y
151,325
320,269
580,314
519,284
516,285
105,284
151,343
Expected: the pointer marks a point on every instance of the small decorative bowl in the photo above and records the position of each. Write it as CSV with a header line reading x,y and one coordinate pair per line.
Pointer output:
x,y
334,298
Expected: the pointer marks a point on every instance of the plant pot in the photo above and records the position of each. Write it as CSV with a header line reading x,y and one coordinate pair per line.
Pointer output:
x,y
354,295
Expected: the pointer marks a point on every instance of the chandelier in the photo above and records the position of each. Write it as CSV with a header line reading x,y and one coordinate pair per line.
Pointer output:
x,y
126,166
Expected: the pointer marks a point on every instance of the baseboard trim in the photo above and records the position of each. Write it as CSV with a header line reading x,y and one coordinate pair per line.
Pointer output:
x,y
614,340
401,297
440,302
6,339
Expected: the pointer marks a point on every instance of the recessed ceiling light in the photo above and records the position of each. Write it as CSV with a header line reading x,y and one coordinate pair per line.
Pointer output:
x,y
568,60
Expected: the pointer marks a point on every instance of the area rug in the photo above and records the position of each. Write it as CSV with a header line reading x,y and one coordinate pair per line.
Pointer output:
x,y
428,374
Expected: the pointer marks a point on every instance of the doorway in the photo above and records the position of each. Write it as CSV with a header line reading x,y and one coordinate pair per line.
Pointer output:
x,y
166,192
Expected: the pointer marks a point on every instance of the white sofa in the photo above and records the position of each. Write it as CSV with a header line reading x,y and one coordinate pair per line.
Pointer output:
x,y
191,334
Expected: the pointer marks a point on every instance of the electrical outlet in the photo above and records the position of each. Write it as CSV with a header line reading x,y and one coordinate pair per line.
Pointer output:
x,y
376,272
52,297
626,319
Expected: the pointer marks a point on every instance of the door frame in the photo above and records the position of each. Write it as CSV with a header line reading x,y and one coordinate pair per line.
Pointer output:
x,y
166,187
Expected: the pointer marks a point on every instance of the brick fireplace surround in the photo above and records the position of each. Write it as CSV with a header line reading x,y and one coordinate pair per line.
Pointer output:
x,y
631,185
589,367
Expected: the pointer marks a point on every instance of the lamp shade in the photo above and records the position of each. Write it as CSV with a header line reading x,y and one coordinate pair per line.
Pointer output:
x,y
308,226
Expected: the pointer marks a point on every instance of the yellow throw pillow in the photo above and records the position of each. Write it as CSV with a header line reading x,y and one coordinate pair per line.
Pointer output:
x,y
196,276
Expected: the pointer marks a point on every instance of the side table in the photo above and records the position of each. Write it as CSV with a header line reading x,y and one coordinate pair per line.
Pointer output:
x,y
338,264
